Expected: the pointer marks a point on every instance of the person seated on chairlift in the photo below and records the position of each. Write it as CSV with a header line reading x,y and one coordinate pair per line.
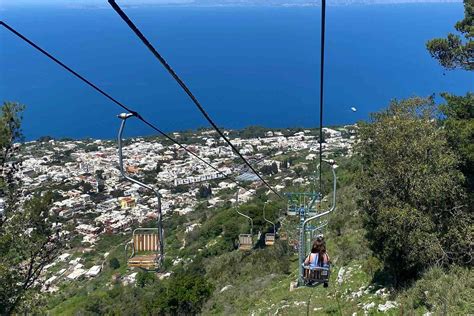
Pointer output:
x,y
318,256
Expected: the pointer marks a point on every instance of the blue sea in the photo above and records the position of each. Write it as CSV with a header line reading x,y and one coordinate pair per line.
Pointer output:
x,y
247,65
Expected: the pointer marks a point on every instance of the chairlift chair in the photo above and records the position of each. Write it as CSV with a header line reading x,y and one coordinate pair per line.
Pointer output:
x,y
245,240
281,233
310,276
269,237
316,275
145,249
147,244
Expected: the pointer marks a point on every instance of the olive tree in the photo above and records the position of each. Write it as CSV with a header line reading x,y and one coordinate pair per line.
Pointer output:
x,y
412,190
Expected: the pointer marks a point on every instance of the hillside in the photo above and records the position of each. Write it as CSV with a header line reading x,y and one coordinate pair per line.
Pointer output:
x,y
258,282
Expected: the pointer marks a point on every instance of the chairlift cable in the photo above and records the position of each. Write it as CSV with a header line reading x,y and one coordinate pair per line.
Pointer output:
x,y
321,92
181,83
108,96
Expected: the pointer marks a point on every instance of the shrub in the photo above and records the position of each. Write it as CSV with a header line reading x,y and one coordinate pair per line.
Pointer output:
x,y
114,263
442,292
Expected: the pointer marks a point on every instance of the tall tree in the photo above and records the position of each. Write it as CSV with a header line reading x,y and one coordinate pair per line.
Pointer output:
x,y
459,125
412,191
454,51
458,111
29,238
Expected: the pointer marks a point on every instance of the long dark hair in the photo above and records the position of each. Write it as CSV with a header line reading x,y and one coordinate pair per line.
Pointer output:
x,y
316,248
319,247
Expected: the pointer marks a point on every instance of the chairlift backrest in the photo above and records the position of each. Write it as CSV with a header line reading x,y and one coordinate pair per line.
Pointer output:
x,y
245,239
269,239
146,242
245,242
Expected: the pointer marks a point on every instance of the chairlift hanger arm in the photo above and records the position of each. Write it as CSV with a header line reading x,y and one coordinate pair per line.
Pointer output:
x,y
124,118
318,171
333,206
242,214
274,226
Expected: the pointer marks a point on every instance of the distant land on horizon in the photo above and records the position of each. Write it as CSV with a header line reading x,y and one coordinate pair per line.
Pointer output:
x,y
134,3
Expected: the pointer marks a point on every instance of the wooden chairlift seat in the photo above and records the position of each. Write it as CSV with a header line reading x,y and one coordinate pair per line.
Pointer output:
x,y
269,239
245,242
145,254
148,262
316,275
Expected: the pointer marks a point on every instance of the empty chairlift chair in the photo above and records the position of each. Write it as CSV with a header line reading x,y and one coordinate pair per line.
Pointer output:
x,y
245,240
282,234
147,244
269,237
145,249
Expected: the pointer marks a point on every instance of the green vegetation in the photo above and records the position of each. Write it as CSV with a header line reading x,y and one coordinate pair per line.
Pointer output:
x,y
114,263
442,292
459,126
409,169
28,239
454,52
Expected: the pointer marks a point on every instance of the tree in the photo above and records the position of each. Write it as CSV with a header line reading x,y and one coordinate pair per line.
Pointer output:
x,y
99,177
269,170
114,263
459,125
204,192
145,278
412,190
29,238
454,52
185,294
459,110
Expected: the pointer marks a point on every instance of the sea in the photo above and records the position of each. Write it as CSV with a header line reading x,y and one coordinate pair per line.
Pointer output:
x,y
246,65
